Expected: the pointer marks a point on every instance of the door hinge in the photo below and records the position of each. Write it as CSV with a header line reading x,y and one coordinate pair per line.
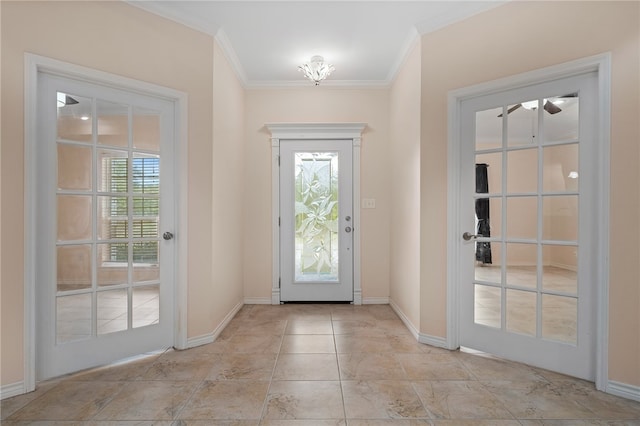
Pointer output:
x,y
279,282
278,161
278,221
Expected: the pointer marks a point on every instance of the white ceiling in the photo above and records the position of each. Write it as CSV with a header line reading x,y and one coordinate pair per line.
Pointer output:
x,y
366,41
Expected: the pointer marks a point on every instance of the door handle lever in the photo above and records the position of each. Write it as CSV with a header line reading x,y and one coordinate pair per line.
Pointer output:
x,y
467,236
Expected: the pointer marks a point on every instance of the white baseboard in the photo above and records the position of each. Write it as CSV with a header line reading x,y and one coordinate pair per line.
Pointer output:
x,y
375,300
412,328
438,342
257,301
624,390
205,339
13,389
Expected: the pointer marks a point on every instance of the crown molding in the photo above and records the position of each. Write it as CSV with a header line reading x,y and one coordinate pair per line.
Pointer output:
x,y
160,9
442,20
230,53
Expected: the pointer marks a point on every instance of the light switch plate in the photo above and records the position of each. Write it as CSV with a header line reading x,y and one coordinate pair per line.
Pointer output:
x,y
368,203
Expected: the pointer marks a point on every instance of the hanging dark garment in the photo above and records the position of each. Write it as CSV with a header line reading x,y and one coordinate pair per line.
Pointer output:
x,y
483,249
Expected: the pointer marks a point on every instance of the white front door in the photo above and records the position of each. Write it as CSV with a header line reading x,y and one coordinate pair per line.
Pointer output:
x,y
316,220
527,198
105,217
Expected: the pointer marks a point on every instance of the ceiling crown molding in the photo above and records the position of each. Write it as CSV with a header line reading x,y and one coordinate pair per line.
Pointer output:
x,y
167,12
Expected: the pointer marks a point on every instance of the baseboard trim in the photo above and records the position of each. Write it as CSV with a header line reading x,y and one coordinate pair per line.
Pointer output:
x,y
205,339
438,342
257,301
412,328
624,390
13,389
375,301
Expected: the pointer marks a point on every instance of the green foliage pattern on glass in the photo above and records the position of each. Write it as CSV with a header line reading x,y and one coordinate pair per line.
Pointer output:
x,y
316,213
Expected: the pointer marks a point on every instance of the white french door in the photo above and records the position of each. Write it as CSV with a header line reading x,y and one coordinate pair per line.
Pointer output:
x,y
105,217
316,220
527,200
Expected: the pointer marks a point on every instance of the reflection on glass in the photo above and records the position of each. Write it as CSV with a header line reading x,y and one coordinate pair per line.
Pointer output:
x,y
490,273
74,217
561,123
73,317
145,261
560,318
112,311
146,173
74,118
146,129
113,170
522,124
488,305
560,220
560,168
521,264
73,267
316,213
112,263
560,266
494,170
522,171
74,167
146,305
522,217
112,217
489,129
521,312
113,123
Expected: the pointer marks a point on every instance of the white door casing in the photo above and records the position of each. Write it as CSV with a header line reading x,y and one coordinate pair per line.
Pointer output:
x,y
35,67
593,194
318,132
316,254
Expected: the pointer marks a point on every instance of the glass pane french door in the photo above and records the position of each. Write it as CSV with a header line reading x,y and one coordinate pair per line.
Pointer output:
x,y
316,221
105,285
527,272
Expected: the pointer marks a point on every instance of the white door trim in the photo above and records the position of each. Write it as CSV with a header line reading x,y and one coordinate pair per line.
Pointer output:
x,y
601,64
34,64
301,131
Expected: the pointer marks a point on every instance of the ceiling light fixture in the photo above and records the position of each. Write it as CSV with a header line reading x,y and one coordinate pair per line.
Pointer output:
x,y
317,69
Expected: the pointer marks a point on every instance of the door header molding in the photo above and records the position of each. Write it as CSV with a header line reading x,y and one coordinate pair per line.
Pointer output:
x,y
316,130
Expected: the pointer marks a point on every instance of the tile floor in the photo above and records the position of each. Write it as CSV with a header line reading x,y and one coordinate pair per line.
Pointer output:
x,y
318,365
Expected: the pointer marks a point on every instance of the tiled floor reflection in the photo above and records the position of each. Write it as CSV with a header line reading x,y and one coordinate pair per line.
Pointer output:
x,y
319,365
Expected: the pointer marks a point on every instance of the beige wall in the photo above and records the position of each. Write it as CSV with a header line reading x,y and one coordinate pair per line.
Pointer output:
x,y
120,39
404,157
320,105
228,195
476,51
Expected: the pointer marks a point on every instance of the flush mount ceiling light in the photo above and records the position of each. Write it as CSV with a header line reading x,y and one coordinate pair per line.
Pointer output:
x,y
316,70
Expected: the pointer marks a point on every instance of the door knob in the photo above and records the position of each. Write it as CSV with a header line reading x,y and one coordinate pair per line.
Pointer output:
x,y
347,229
167,236
467,236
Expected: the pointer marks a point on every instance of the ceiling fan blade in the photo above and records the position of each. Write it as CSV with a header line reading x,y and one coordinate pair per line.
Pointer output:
x,y
551,108
70,101
513,108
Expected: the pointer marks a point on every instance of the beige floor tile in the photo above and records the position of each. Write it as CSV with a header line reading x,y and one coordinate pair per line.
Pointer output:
x,y
357,343
238,366
296,326
125,371
304,400
460,400
489,368
275,327
358,327
389,422
308,343
476,422
69,401
384,399
216,423
9,406
605,405
254,344
231,400
144,400
370,366
315,422
180,365
433,366
306,367
538,400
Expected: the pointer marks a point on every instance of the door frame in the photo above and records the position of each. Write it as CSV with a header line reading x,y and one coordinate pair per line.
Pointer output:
x,y
601,64
316,131
35,64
